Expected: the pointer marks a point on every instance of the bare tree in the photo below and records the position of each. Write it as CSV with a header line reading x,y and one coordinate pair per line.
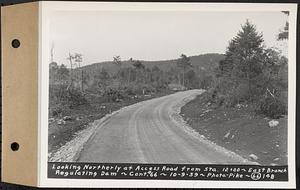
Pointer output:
x,y
184,63
78,61
75,61
117,60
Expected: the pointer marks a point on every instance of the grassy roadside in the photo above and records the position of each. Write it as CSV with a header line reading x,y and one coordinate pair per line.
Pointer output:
x,y
63,128
239,130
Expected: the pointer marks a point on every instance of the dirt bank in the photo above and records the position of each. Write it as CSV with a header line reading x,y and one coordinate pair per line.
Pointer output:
x,y
239,130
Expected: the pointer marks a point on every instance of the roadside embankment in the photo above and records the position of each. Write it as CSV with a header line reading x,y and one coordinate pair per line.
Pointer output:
x,y
240,130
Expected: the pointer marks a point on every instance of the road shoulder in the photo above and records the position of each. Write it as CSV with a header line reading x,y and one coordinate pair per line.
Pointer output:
x,y
239,130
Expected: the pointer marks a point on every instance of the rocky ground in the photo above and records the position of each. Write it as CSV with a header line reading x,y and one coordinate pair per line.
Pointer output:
x,y
240,130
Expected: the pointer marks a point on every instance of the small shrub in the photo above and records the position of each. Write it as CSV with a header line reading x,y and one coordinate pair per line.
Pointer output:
x,y
272,107
75,98
129,91
237,95
56,112
112,95
209,96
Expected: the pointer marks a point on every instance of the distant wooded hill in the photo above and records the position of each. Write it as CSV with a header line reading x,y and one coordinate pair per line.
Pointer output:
x,y
205,62
138,76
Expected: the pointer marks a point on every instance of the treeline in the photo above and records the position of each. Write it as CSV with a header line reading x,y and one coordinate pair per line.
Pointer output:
x,y
251,74
73,85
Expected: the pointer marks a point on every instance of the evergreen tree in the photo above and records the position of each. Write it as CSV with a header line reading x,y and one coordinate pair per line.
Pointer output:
x,y
284,34
252,73
244,54
241,72
139,67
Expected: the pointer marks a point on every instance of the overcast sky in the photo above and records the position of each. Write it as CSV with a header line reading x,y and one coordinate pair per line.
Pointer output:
x,y
153,35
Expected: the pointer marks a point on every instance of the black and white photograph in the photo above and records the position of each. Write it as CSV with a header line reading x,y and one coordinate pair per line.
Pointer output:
x,y
167,87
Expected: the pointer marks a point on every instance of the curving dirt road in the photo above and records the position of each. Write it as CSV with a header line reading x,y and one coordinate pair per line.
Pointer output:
x,y
153,132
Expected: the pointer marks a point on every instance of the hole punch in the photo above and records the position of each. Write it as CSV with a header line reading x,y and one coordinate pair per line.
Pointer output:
x,y
15,43
14,146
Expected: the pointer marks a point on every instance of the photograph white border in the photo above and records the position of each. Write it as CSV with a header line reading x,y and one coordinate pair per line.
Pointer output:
x,y
47,9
